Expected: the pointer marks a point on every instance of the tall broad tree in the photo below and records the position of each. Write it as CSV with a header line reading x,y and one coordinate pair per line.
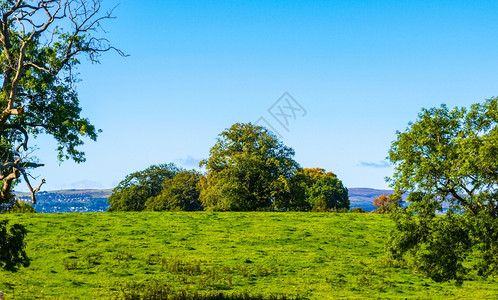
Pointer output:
x,y
448,160
248,169
41,42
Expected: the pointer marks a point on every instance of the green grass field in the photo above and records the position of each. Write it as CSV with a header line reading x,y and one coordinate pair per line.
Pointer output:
x,y
310,255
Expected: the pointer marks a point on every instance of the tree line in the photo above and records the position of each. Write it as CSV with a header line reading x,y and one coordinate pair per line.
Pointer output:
x,y
248,169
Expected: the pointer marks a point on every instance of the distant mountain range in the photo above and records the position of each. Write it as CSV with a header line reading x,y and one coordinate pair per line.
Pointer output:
x,y
96,200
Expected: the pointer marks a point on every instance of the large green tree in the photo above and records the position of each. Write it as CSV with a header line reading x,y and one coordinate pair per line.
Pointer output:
x,y
178,193
248,169
448,159
40,45
133,192
41,42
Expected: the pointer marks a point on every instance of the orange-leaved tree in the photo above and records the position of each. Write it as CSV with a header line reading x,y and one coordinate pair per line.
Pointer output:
x,y
385,203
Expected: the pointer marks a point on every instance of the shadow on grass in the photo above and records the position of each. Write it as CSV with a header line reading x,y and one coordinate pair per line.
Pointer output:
x,y
161,292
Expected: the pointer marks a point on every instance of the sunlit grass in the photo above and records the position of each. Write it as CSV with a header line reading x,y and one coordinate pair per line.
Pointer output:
x,y
310,255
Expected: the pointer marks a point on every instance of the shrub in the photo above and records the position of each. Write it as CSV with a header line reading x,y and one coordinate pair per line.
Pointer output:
x,y
357,210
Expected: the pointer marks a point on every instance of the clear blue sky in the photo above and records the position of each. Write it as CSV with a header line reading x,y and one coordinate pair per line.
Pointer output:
x,y
361,69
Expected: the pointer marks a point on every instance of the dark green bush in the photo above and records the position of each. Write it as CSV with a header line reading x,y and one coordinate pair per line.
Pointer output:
x,y
357,210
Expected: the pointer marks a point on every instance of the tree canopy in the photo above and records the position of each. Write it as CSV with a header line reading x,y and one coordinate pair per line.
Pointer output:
x,y
451,155
133,192
178,193
248,169
448,158
318,190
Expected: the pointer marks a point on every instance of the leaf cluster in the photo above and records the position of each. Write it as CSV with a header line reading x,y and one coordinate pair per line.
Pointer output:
x,y
317,190
180,193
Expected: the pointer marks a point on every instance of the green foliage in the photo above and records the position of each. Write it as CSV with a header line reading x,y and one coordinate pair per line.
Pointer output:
x,y
448,157
484,234
452,155
12,246
248,169
133,192
433,245
317,190
357,210
178,193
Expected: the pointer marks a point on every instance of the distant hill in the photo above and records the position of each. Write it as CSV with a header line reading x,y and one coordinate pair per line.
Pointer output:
x,y
96,200
363,197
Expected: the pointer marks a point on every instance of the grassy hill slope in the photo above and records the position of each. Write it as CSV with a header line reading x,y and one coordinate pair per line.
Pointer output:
x,y
312,255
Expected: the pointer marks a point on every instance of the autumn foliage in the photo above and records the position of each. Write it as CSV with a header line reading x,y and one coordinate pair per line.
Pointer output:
x,y
385,203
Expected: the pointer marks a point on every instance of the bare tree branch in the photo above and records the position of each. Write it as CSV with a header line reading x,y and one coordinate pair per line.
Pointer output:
x,y
32,191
